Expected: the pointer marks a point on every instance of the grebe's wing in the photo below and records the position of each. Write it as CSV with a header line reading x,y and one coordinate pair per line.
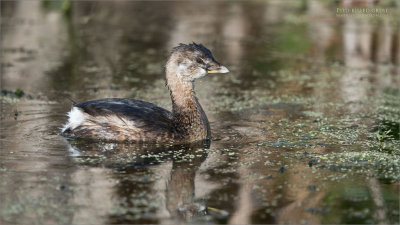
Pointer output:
x,y
129,108
111,117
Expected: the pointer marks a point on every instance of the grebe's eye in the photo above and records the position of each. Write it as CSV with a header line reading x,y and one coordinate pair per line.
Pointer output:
x,y
201,60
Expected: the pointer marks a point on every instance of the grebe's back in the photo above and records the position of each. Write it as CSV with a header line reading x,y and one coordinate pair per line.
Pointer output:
x,y
120,119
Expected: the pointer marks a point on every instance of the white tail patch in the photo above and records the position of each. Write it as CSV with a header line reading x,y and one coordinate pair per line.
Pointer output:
x,y
76,118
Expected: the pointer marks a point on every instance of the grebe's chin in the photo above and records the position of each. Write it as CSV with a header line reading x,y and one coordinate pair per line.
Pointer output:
x,y
121,119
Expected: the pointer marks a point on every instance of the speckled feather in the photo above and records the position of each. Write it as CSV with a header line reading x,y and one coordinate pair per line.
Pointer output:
x,y
118,119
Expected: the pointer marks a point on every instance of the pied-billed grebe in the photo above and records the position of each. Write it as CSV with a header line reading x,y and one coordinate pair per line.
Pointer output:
x,y
121,119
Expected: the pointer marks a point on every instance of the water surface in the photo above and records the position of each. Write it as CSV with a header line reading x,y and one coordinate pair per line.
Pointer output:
x,y
293,124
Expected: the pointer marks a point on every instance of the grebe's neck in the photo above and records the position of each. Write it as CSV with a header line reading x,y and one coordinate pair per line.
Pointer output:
x,y
189,117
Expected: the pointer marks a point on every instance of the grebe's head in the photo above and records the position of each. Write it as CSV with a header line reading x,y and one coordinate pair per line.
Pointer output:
x,y
192,61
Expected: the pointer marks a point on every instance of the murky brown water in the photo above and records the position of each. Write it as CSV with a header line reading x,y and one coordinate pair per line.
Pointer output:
x,y
293,125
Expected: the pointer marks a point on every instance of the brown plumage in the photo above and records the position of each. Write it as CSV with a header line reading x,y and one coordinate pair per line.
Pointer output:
x,y
117,119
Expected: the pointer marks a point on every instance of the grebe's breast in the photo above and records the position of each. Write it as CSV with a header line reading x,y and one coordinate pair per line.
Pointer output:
x,y
120,119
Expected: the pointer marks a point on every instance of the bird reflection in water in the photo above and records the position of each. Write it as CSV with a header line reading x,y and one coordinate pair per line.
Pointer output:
x,y
179,204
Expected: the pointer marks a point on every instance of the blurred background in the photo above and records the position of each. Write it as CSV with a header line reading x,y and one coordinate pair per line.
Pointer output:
x,y
305,127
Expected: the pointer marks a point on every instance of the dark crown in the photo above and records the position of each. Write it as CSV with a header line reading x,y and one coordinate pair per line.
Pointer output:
x,y
193,47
